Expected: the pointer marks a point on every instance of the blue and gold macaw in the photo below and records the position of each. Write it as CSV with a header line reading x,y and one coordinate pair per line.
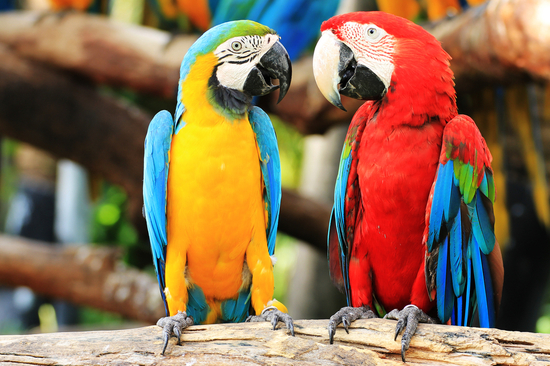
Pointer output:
x,y
212,182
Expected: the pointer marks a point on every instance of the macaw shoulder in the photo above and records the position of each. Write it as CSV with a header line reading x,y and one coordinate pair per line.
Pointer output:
x,y
462,139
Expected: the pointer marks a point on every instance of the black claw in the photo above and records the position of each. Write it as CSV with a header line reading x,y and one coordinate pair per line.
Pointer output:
x,y
165,338
346,324
397,331
330,334
290,325
403,355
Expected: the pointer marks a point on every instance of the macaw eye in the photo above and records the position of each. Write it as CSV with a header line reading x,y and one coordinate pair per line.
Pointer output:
x,y
236,46
372,33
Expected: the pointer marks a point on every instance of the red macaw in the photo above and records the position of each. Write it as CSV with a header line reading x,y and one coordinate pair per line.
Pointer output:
x,y
412,220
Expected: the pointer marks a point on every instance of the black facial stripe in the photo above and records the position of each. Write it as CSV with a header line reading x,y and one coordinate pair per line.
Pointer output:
x,y
244,55
237,62
224,56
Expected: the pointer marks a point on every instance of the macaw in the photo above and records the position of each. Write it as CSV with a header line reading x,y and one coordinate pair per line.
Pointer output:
x,y
412,226
212,182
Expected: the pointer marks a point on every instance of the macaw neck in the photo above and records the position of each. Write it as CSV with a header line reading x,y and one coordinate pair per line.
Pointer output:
x,y
230,102
207,102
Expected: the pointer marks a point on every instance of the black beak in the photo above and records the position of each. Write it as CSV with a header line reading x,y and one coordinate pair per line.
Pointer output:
x,y
358,81
337,72
274,64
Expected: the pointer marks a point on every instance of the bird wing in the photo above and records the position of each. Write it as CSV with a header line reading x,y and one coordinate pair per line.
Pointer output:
x,y
461,256
347,198
271,170
155,176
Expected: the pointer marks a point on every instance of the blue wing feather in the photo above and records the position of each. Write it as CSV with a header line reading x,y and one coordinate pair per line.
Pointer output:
x,y
456,256
271,170
155,175
463,280
482,227
338,217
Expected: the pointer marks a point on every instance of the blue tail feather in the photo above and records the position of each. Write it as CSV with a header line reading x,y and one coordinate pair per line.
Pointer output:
x,y
444,286
484,297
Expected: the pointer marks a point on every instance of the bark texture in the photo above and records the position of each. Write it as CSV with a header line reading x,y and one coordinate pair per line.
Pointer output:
x,y
83,274
370,342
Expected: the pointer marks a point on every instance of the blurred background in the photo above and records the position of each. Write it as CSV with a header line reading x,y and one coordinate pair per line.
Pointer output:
x,y
81,79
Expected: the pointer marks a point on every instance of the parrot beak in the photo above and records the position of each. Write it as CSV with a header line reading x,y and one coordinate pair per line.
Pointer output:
x,y
329,58
274,64
337,72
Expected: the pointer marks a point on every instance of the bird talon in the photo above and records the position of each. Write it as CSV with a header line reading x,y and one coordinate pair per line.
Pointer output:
x,y
407,322
346,316
173,326
274,316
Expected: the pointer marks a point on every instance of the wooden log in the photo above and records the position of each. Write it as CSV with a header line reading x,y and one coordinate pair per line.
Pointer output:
x,y
369,342
146,60
69,118
501,41
118,54
82,274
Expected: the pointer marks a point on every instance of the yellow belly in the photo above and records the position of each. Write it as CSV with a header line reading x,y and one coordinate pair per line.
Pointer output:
x,y
215,206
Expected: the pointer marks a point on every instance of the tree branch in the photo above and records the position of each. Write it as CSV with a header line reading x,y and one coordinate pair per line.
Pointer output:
x,y
501,41
369,342
83,275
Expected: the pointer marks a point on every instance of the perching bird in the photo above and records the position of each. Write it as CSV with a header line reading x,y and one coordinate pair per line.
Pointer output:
x,y
412,222
212,182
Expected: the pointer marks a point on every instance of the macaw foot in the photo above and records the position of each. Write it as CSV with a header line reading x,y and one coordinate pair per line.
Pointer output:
x,y
408,318
346,316
273,315
173,326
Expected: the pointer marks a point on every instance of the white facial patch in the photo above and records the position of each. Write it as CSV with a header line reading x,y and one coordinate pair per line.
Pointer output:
x,y
238,56
373,47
